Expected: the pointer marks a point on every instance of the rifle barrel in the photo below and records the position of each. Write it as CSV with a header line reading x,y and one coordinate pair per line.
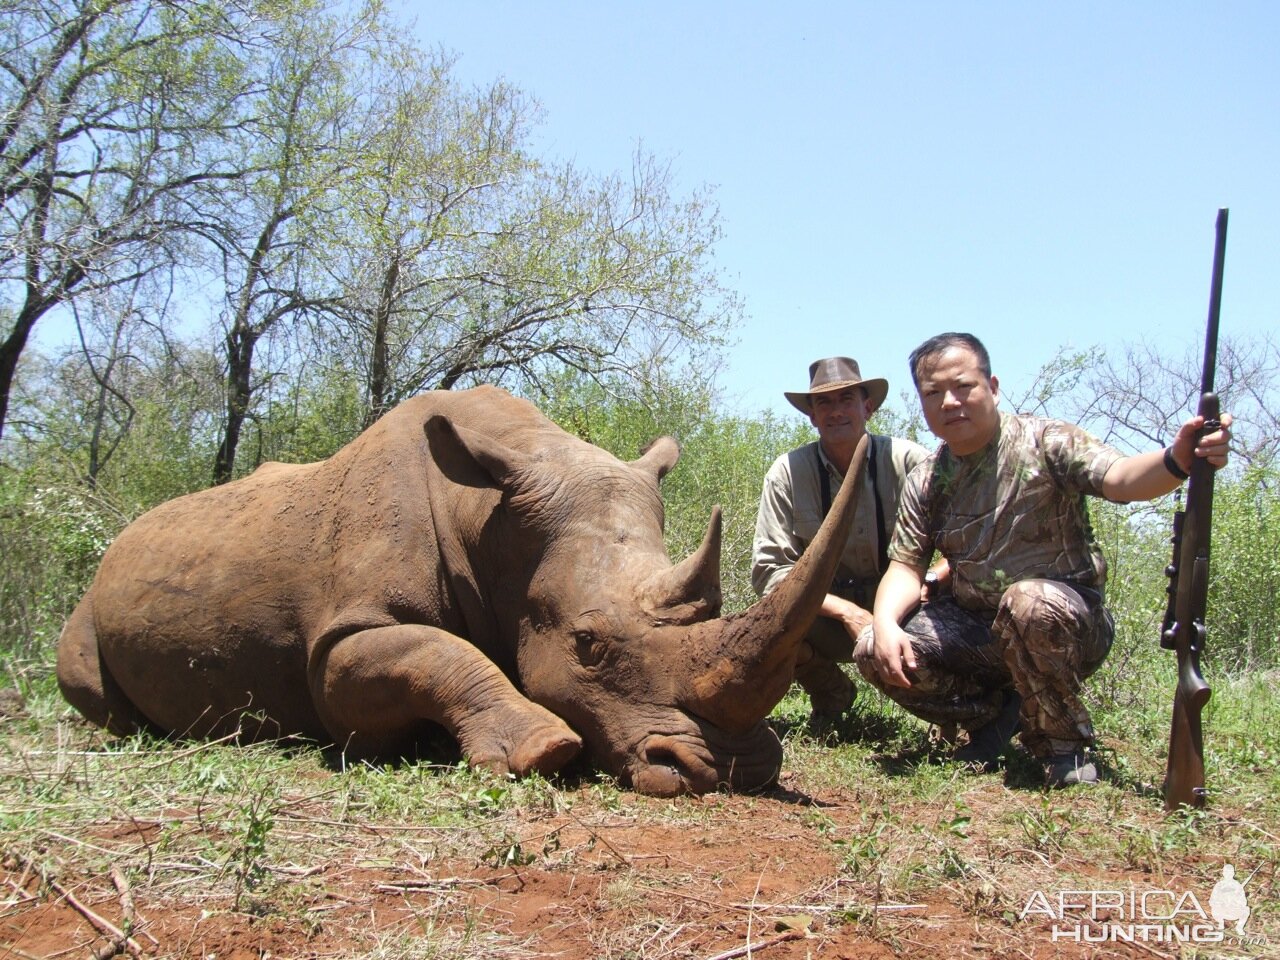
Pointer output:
x,y
1215,303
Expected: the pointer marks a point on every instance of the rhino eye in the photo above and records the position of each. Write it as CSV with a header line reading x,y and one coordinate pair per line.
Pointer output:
x,y
590,647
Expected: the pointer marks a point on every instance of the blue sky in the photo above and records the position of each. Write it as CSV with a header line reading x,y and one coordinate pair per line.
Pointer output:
x,y
1042,175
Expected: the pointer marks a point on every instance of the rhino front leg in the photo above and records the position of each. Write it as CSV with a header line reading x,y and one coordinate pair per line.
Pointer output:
x,y
374,688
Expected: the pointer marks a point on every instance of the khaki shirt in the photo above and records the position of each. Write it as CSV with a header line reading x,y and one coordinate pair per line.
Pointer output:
x,y
1014,510
791,511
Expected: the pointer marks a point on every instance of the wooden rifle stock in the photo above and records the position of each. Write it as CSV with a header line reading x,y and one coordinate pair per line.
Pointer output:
x,y
1184,622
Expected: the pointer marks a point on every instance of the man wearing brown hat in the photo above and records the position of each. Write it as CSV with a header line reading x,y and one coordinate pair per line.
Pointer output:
x,y
798,491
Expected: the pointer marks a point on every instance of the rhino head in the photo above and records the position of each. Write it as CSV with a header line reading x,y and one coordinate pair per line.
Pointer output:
x,y
627,648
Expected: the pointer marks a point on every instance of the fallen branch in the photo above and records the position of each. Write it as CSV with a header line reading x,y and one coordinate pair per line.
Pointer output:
x,y
119,758
714,903
126,897
19,887
119,939
431,886
749,948
22,954
128,913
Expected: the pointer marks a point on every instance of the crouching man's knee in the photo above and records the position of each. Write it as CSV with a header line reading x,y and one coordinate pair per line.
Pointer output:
x,y
864,653
1057,625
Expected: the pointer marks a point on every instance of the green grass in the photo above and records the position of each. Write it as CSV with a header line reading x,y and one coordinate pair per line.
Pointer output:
x,y
928,828
239,828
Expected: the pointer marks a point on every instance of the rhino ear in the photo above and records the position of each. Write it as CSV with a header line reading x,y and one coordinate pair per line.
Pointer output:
x,y
499,461
658,457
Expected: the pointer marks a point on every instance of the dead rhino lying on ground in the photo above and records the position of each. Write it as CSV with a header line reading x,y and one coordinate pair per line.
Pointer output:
x,y
463,562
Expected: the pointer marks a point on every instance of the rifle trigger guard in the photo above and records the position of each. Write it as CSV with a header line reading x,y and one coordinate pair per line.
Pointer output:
x,y
1198,633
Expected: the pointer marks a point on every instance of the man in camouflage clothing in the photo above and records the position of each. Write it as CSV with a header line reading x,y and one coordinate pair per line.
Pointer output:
x,y
1003,500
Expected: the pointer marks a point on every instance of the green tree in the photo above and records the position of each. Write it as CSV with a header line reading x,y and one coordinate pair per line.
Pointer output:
x,y
1244,564
464,259
1139,397
164,448
114,116
301,137
311,417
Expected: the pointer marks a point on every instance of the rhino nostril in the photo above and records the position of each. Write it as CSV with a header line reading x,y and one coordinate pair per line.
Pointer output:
x,y
660,780
664,758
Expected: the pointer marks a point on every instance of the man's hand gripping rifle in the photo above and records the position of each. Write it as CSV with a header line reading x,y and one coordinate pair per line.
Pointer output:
x,y
1184,628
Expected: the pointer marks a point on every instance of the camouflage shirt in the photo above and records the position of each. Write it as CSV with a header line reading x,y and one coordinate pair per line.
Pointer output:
x,y
1014,510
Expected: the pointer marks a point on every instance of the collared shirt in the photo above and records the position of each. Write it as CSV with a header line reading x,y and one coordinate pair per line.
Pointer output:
x,y
1014,510
791,511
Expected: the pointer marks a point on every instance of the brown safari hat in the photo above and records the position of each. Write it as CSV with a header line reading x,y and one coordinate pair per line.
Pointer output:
x,y
837,373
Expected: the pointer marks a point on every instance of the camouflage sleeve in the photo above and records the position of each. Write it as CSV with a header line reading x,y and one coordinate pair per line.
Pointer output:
x,y
912,542
1078,460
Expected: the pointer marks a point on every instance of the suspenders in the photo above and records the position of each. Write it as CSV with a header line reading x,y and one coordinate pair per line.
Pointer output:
x,y
824,480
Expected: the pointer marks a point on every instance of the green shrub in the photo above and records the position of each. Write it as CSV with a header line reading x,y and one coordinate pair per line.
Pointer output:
x,y
54,534
1244,571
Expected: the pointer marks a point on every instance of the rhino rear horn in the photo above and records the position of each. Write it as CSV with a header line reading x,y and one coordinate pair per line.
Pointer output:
x,y
689,591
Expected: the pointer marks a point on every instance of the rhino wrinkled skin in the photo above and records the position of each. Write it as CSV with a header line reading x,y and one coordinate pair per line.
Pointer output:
x,y
463,563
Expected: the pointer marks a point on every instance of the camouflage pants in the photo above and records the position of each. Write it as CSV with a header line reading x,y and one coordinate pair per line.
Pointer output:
x,y
1043,641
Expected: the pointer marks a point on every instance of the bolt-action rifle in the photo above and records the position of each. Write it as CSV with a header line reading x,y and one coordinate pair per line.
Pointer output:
x,y
1184,629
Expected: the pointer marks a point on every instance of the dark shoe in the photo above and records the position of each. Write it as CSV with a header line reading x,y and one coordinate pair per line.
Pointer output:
x,y
988,741
1069,770
831,691
944,735
824,723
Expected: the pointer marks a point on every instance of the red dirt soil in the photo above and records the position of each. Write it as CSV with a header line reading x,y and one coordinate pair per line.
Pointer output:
x,y
750,879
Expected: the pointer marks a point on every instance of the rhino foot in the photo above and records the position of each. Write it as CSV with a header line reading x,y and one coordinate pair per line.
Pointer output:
x,y
544,746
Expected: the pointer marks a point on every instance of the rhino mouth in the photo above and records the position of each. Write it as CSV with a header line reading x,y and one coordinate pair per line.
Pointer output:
x,y
667,765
